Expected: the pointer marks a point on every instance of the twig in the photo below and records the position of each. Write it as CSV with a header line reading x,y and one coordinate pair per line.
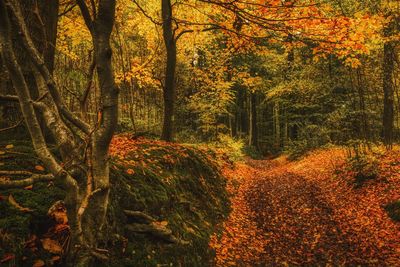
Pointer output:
x,y
11,127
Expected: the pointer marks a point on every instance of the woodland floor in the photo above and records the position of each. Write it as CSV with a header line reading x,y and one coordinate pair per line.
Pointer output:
x,y
309,212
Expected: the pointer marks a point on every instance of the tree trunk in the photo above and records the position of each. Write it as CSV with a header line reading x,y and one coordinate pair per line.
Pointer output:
x,y
388,90
169,85
253,140
41,18
277,125
84,174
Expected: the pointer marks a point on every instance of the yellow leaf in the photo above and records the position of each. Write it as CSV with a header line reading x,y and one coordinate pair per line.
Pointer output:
x,y
9,146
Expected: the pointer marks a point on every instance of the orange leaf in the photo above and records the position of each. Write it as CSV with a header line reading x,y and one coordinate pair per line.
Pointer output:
x,y
51,246
130,171
29,187
38,263
39,168
164,223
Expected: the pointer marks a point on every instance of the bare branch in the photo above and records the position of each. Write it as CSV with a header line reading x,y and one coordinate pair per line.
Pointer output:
x,y
67,10
145,13
12,127
9,98
189,31
19,173
85,96
85,14
35,178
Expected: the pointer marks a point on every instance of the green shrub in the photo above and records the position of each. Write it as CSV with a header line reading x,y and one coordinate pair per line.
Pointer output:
x,y
365,167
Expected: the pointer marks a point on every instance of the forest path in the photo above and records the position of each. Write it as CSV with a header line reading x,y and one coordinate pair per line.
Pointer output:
x,y
282,218
296,221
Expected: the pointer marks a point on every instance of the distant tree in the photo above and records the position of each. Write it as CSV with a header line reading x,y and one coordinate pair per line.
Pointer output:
x,y
389,57
169,84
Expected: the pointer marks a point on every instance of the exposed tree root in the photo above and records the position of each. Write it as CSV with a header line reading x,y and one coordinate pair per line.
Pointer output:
x,y
151,227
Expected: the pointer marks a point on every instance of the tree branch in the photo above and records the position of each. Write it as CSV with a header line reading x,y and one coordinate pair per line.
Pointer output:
x,y
9,98
26,103
189,31
145,13
12,127
41,66
35,178
85,14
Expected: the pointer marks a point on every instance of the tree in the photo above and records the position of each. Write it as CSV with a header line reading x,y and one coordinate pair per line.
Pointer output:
x,y
389,57
41,20
169,84
83,168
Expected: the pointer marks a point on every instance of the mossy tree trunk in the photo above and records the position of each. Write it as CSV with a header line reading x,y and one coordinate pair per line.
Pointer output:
x,y
83,169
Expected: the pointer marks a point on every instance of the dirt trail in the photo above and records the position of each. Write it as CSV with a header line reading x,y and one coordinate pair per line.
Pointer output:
x,y
290,210
282,218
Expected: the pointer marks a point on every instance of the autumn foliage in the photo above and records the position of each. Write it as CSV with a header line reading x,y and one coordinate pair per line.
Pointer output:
x,y
310,212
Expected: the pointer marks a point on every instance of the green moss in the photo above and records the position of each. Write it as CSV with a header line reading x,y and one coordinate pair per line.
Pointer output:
x,y
172,183
180,185
17,223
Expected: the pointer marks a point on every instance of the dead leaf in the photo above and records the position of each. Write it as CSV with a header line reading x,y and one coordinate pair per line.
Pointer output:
x,y
39,168
38,263
60,228
51,246
7,257
60,217
31,243
29,187
55,259
14,203
164,223
161,224
10,146
58,212
130,171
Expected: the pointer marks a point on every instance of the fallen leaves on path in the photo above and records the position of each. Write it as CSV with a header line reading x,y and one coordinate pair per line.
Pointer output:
x,y
303,213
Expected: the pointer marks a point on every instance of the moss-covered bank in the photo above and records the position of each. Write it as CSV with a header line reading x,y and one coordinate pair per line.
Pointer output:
x,y
178,186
